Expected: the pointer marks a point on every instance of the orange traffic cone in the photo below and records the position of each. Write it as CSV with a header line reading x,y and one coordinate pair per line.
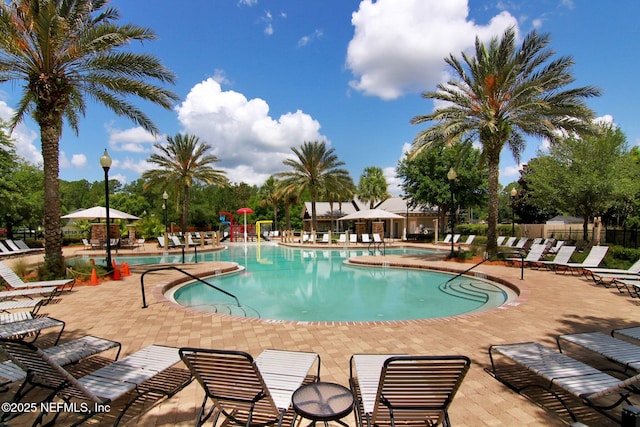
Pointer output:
x,y
125,269
116,271
94,277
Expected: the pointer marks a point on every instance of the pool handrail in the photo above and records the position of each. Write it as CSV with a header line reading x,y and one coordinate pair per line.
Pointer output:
x,y
172,267
516,253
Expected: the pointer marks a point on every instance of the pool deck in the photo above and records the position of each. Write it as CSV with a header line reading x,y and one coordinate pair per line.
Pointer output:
x,y
549,304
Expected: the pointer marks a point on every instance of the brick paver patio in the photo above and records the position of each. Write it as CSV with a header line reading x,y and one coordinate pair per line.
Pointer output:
x,y
549,304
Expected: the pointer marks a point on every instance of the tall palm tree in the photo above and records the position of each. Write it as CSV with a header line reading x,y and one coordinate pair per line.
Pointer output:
x,y
180,162
289,196
373,186
501,95
269,197
315,168
63,51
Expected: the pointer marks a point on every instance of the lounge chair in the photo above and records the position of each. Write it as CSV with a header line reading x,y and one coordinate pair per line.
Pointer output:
x,y
631,285
46,293
563,256
632,333
469,240
176,241
9,305
247,391
593,259
510,241
86,245
132,377
15,282
190,241
522,242
64,354
365,238
500,240
325,238
593,387
600,275
24,247
532,257
554,248
353,238
405,390
618,351
25,325
456,237
13,248
447,238
342,239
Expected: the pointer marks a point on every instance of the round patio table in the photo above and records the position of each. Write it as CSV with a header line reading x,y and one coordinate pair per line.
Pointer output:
x,y
323,401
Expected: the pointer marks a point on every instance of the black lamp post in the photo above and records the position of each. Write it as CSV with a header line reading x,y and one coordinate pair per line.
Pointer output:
x,y
514,193
105,162
452,175
165,197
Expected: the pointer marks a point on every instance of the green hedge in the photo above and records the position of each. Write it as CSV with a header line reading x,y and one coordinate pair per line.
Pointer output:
x,y
481,229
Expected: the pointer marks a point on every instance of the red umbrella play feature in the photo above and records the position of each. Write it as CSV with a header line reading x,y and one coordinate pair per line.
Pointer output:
x,y
245,211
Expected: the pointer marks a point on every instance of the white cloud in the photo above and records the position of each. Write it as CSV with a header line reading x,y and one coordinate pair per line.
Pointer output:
x,y
399,45
134,140
511,171
393,181
79,160
250,144
23,138
317,34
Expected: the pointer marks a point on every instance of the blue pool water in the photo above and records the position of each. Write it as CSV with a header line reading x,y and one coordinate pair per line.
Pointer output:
x,y
282,283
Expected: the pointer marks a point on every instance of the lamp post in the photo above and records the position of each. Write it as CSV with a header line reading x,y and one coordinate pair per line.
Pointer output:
x,y
105,162
165,197
514,193
452,175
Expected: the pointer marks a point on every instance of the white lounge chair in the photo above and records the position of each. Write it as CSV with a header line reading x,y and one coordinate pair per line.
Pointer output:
x,y
593,259
325,238
447,238
23,324
563,256
533,256
590,385
123,378
342,239
618,351
456,237
353,238
632,332
500,240
606,275
469,240
64,354
248,391
510,241
364,238
15,282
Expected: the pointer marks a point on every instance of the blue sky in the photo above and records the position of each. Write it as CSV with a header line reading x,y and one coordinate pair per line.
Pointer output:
x,y
256,77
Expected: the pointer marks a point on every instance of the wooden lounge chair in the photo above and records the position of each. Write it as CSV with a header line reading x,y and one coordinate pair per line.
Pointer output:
x,y
405,390
247,391
15,282
127,379
593,387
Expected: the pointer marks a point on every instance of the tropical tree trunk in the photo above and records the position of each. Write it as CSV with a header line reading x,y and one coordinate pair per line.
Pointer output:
x,y
314,219
493,161
287,216
50,132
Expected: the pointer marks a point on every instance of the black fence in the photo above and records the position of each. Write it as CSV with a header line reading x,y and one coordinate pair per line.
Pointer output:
x,y
627,238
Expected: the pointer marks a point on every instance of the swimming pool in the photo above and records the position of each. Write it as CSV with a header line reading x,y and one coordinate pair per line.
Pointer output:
x,y
284,283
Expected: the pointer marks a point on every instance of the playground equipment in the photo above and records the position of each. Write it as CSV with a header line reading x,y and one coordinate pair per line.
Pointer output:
x,y
223,220
258,227
245,211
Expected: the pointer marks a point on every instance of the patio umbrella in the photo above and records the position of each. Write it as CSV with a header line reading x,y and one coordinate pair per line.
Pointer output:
x,y
371,214
245,211
98,212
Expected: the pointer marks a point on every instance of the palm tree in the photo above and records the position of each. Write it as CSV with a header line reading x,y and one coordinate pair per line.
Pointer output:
x,y
182,161
315,169
269,197
373,186
63,51
501,95
289,196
